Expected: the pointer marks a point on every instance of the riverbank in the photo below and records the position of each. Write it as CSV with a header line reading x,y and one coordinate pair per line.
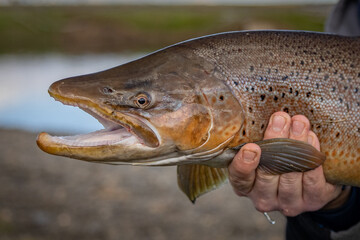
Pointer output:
x,y
139,28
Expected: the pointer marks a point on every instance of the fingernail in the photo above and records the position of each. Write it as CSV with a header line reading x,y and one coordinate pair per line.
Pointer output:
x,y
278,123
249,156
297,128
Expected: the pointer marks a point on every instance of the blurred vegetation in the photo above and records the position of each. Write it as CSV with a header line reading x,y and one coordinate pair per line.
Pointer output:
x,y
119,28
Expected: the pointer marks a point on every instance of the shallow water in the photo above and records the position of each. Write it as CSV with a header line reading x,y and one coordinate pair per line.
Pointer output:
x,y
24,80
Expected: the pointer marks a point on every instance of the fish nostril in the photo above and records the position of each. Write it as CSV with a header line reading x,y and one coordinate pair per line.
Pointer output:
x,y
107,90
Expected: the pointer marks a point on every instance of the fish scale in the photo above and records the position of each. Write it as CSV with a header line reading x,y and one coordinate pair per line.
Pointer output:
x,y
316,75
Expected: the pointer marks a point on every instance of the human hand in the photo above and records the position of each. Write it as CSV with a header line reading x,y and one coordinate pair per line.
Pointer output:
x,y
290,193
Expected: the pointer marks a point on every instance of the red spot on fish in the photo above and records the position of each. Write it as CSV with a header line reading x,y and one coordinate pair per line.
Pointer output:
x,y
352,162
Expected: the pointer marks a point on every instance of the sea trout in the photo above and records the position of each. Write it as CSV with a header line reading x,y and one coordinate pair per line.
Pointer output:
x,y
195,103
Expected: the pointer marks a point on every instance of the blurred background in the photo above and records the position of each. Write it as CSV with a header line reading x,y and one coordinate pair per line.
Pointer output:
x,y
48,197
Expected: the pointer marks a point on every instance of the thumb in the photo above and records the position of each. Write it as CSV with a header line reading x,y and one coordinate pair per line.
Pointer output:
x,y
242,168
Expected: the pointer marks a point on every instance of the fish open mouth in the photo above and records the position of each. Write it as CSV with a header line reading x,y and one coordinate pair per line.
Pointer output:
x,y
119,129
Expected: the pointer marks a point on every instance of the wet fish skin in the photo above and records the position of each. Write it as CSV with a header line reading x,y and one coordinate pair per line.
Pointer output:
x,y
317,75
225,88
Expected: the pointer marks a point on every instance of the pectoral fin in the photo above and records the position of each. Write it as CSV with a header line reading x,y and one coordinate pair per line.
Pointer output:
x,y
195,180
282,155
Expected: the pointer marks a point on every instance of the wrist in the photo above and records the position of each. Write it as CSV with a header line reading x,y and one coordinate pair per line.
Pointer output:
x,y
340,200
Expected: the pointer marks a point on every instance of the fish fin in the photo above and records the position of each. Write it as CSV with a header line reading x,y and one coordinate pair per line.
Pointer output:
x,y
283,155
195,179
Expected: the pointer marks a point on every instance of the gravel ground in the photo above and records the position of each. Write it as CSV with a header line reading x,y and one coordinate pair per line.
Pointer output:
x,y
49,197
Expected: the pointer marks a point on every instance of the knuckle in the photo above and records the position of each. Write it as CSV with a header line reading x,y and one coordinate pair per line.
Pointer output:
x,y
290,212
262,205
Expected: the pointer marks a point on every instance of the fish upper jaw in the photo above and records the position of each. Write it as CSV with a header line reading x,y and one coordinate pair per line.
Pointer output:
x,y
124,137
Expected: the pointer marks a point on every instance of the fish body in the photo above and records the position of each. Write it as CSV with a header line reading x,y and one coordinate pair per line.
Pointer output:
x,y
194,103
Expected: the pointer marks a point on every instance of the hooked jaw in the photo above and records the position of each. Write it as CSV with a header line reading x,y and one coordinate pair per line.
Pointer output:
x,y
124,137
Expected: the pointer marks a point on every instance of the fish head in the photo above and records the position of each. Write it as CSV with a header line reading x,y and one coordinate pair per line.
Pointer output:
x,y
164,106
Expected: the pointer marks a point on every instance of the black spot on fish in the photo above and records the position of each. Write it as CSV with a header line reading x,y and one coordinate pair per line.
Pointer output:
x,y
284,78
308,94
326,77
330,64
221,98
342,76
302,62
286,110
335,72
276,70
262,97
352,65
333,89
253,122
317,86
252,89
346,87
275,98
282,95
337,134
290,90
356,90
296,92
250,109
322,58
251,68
244,133
340,100
262,126
292,63
319,70
270,89
321,99
312,111
236,83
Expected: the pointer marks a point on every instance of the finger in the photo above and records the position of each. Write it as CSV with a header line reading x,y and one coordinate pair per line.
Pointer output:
x,y
290,193
279,126
314,182
264,192
300,127
242,168
313,140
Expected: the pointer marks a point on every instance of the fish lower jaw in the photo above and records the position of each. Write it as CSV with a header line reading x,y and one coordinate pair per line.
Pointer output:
x,y
105,137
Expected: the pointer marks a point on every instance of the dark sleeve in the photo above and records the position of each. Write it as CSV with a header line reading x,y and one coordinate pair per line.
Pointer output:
x,y
319,224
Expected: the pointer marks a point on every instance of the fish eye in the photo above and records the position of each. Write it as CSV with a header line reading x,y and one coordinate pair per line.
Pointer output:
x,y
142,100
